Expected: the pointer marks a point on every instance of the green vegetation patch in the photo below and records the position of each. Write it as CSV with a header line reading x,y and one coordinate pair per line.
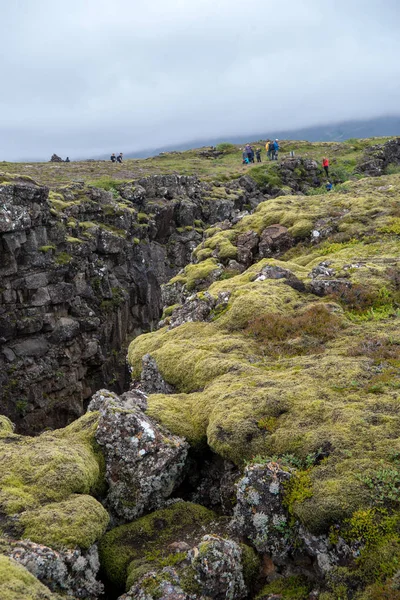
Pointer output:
x,y
16,583
78,521
38,473
131,550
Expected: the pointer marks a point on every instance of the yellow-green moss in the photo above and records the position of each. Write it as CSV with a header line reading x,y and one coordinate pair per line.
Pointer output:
x,y
49,469
287,588
132,550
195,274
220,243
327,397
16,583
6,425
78,521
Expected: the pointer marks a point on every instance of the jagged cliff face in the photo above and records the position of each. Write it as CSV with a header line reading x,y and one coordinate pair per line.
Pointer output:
x,y
81,270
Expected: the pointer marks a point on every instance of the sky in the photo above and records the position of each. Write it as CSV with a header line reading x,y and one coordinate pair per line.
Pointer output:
x,y
90,77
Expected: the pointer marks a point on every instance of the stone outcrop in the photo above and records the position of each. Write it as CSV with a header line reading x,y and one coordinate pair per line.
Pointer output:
x,y
81,270
144,463
377,158
259,514
70,572
300,174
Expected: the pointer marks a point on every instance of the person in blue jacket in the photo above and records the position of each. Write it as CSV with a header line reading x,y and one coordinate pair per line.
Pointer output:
x,y
276,150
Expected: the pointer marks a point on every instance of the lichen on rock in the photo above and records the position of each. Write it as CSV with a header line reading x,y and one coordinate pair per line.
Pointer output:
x,y
144,462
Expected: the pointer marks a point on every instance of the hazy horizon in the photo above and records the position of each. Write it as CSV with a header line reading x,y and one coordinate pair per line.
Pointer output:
x,y
95,77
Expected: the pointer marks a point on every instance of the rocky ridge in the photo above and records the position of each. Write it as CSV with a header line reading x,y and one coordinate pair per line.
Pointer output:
x,y
255,455
81,270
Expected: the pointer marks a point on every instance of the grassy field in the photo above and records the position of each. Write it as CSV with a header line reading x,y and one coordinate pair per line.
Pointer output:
x,y
343,157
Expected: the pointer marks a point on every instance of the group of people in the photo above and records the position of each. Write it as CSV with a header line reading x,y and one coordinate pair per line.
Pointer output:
x,y
248,154
271,147
117,159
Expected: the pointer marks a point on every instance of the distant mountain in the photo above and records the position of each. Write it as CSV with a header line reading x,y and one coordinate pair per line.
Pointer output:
x,y
332,132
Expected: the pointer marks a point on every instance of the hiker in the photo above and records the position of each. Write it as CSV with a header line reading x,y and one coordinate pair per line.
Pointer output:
x,y
113,158
329,186
67,159
276,150
249,152
245,160
258,155
271,150
325,164
119,157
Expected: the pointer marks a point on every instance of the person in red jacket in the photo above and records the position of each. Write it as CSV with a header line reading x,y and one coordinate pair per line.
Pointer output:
x,y
325,164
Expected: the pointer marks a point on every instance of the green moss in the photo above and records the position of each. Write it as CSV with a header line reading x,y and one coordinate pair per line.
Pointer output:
x,y
16,583
6,425
73,240
142,217
48,469
297,490
288,588
63,258
220,244
169,310
77,521
134,549
251,563
393,226
196,274
57,201
46,249
301,229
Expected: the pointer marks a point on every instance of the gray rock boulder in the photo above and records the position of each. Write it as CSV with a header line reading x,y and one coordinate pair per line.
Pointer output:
x,y
151,380
247,247
274,241
70,572
218,566
164,585
259,514
144,463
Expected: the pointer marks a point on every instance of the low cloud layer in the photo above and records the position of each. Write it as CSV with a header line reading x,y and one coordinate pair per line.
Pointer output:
x,y
87,78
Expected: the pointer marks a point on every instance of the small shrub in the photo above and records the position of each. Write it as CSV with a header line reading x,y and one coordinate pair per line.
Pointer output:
x,y
226,148
275,330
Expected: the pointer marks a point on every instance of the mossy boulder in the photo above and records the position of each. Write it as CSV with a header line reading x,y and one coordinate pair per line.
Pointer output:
x,y
45,484
16,583
129,551
80,520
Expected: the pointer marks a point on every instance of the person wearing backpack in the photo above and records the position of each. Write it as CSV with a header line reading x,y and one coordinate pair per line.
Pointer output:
x,y
325,164
271,150
258,155
276,149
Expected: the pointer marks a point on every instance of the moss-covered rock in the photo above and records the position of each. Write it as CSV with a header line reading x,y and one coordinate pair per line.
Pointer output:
x,y
44,482
130,551
80,520
16,583
283,375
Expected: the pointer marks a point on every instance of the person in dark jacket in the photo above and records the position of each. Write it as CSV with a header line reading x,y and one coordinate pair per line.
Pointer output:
x,y
271,150
249,152
258,155
119,157
113,158
67,159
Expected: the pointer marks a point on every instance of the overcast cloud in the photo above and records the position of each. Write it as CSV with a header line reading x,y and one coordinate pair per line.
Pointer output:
x,y
87,77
